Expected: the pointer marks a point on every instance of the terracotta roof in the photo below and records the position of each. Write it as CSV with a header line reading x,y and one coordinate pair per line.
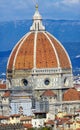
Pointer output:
x,y
12,56
25,118
46,51
71,95
61,52
48,93
50,122
25,52
6,94
78,129
3,117
15,115
45,54
69,122
27,125
2,86
61,121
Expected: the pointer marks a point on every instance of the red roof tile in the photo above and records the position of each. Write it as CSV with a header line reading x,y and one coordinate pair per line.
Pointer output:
x,y
48,51
27,125
7,94
62,55
60,121
45,54
50,122
2,86
12,56
71,95
15,115
49,93
3,117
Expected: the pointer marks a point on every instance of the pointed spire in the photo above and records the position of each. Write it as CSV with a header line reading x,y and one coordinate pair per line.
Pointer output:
x,y
37,21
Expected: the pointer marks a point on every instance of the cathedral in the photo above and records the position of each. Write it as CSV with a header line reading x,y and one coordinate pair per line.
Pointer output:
x,y
39,72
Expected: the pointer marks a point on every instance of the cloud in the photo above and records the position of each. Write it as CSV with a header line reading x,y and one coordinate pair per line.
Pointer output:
x,y
15,4
21,9
60,3
78,56
71,2
15,9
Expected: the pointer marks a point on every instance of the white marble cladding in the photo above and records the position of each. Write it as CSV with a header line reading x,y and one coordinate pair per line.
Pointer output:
x,y
58,78
54,81
50,71
18,81
38,81
42,71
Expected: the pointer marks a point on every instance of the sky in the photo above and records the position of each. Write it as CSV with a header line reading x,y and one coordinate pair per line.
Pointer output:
x,y
49,9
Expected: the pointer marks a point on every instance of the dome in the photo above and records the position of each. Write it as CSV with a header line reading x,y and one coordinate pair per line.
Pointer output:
x,y
38,49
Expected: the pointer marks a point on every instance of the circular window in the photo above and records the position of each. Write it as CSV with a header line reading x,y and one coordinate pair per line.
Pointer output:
x,y
25,82
47,82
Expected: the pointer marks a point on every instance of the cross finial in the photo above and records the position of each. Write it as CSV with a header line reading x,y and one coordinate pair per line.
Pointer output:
x,y
36,6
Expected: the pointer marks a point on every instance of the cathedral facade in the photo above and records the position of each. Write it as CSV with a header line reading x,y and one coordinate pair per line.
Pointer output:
x,y
40,66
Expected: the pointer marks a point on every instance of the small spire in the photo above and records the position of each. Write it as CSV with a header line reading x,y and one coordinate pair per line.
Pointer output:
x,y
37,21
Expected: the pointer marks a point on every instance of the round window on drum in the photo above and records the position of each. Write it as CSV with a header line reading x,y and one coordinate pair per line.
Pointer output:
x,y
25,82
47,81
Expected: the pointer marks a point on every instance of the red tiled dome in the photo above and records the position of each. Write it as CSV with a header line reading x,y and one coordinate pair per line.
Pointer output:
x,y
71,95
44,51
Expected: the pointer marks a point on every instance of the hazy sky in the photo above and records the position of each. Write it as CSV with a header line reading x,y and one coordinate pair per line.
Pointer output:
x,y
49,9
